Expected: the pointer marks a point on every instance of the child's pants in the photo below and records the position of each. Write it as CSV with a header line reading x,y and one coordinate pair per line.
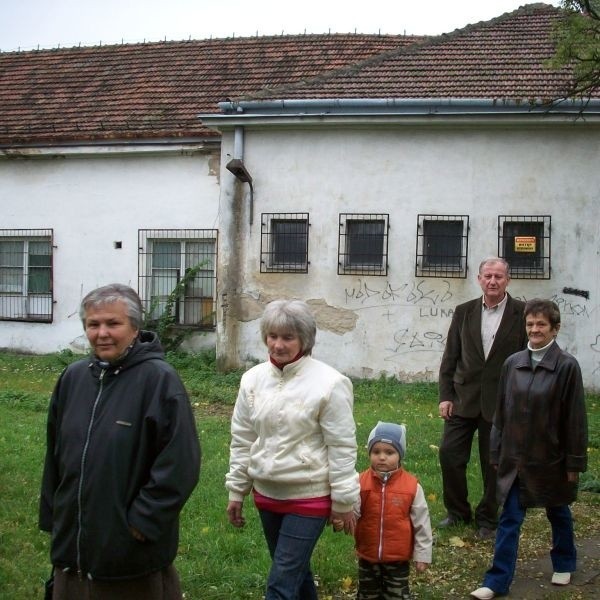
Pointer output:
x,y
382,581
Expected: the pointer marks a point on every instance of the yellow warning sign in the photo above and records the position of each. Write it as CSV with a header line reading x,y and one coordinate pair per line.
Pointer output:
x,y
525,243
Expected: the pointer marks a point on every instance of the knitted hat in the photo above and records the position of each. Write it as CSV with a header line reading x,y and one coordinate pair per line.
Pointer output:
x,y
390,433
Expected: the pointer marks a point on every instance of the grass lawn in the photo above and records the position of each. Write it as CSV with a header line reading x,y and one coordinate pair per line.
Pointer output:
x,y
217,561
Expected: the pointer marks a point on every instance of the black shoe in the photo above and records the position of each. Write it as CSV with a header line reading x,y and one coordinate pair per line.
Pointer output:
x,y
485,533
451,522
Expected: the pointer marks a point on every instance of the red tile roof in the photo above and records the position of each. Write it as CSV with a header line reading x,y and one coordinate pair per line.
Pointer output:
x,y
505,58
156,90
150,91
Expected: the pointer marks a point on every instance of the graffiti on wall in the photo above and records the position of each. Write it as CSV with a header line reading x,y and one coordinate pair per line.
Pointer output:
x,y
427,299
421,292
405,340
433,299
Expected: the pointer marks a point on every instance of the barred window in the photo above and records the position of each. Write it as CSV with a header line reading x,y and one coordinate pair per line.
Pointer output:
x,y
26,275
363,244
177,273
524,242
442,244
284,243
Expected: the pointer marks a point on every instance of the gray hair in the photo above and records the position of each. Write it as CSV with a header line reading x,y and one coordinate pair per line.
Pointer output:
x,y
290,315
494,259
114,292
548,308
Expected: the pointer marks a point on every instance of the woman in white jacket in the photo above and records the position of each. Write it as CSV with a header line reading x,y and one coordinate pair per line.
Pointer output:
x,y
293,445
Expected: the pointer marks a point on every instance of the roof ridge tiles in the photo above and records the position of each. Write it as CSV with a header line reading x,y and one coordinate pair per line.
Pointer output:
x,y
208,41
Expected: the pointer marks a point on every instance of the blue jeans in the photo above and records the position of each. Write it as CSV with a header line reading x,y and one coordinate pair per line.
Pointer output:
x,y
563,554
291,540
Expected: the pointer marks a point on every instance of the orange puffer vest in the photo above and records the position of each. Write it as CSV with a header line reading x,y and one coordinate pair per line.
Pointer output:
x,y
384,532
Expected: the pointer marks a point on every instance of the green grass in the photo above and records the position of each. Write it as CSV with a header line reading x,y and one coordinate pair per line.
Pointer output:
x,y
215,560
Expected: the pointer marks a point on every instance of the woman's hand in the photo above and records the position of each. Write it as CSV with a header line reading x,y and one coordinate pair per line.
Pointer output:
x,y
345,521
234,512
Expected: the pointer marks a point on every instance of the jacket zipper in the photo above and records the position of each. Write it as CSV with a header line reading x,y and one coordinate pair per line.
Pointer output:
x,y
383,484
82,468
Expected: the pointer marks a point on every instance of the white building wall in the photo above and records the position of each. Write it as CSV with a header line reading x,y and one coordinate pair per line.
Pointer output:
x,y
92,202
396,325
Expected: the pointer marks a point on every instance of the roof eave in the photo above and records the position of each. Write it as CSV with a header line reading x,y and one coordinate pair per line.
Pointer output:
x,y
106,148
401,110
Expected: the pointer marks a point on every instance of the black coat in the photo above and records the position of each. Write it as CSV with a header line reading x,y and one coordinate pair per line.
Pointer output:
x,y
540,428
122,450
467,378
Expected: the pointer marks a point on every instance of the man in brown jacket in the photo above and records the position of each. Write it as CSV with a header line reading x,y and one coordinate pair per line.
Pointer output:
x,y
482,334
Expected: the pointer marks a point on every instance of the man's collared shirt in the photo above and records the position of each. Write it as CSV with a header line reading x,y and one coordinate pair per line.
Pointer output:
x,y
490,321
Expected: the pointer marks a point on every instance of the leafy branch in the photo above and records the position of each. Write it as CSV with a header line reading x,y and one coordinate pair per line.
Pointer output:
x,y
170,336
577,39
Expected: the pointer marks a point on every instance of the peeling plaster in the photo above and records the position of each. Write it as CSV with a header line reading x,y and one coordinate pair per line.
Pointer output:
x,y
427,375
329,318
214,164
251,307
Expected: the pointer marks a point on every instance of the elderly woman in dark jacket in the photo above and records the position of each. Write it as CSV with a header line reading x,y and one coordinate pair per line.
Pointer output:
x,y
122,459
538,445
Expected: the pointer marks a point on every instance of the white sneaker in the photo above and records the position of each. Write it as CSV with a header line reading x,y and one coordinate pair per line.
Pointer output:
x,y
483,593
561,578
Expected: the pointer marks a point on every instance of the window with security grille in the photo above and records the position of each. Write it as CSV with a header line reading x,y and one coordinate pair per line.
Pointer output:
x,y
442,244
284,243
363,244
26,275
177,275
524,242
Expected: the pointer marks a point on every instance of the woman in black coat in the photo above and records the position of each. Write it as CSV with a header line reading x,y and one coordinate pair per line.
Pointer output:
x,y
538,445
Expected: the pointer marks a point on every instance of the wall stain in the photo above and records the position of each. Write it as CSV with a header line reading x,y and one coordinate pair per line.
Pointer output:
x,y
214,164
331,318
328,317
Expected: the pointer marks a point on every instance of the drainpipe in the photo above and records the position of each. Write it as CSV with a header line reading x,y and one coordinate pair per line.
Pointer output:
x,y
237,167
231,260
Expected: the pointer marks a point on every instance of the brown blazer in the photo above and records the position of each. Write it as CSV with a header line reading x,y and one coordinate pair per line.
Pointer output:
x,y
466,378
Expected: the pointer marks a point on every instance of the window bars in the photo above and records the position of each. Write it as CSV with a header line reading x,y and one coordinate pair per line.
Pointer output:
x,y
284,243
442,246
26,275
177,275
524,241
363,244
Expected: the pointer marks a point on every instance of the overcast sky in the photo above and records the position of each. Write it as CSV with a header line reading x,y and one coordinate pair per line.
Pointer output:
x,y
27,24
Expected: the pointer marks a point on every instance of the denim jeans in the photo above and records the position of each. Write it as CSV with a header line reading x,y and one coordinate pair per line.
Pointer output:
x,y
563,554
291,540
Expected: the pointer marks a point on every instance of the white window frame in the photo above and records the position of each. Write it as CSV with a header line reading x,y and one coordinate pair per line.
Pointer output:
x,y
23,302
193,310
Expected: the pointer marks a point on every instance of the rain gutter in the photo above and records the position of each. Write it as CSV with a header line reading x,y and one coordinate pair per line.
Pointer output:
x,y
405,110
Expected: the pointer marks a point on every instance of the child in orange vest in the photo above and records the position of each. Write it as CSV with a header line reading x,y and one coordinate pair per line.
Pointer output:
x,y
394,526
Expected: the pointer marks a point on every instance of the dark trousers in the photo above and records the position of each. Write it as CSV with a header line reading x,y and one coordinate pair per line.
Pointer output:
x,y
162,585
455,452
382,581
